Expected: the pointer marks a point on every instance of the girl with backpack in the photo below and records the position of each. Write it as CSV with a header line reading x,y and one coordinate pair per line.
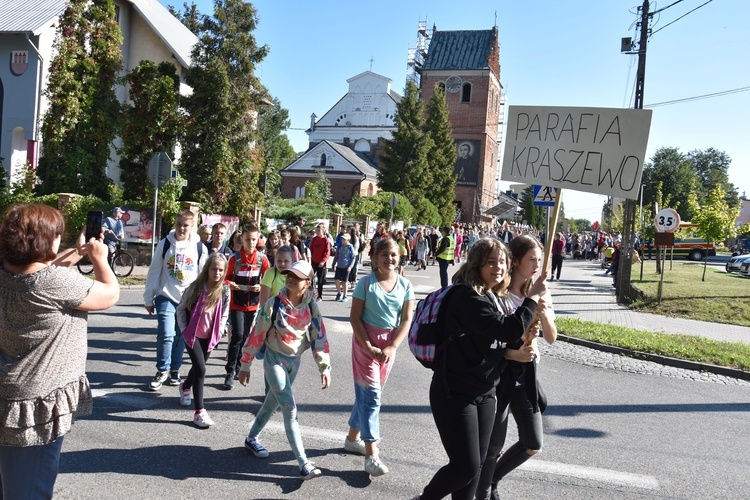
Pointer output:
x,y
380,317
343,261
518,388
423,247
287,325
274,280
468,369
202,316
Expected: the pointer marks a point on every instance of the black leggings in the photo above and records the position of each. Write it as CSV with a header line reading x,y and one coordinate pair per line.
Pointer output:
x,y
464,425
530,436
241,322
197,375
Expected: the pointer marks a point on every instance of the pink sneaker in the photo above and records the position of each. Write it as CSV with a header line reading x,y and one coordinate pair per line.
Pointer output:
x,y
202,420
185,399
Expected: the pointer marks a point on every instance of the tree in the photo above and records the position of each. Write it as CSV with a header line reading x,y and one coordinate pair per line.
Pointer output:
x,y
152,122
405,165
318,191
712,167
220,161
714,217
439,184
83,115
676,173
534,216
277,150
189,16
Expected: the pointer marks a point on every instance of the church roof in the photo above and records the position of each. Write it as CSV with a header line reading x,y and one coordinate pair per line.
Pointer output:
x,y
23,16
459,50
358,161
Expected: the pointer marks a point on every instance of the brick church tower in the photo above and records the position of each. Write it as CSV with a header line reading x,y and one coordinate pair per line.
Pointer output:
x,y
467,64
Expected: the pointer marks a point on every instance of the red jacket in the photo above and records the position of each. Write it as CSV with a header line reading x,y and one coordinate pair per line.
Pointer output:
x,y
248,273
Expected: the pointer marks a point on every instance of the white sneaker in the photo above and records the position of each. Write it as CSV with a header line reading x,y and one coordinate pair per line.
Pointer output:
x,y
357,446
202,420
374,467
185,399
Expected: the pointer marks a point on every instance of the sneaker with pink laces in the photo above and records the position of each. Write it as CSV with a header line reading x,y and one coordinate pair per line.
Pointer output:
x,y
185,399
202,420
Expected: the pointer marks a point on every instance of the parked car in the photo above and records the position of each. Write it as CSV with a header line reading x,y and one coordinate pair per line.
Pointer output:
x,y
745,269
734,264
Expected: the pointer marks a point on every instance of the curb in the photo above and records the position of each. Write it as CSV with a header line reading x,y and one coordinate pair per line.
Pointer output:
x,y
657,358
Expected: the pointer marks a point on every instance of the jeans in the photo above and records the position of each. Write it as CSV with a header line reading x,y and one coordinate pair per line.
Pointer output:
x,y
443,265
530,436
197,375
169,341
29,471
241,321
280,372
370,375
464,426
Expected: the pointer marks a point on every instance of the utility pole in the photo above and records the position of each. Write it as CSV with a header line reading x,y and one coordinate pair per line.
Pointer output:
x,y
628,234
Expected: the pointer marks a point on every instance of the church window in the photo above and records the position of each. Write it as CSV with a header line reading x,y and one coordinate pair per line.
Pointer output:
x,y
366,102
466,93
323,160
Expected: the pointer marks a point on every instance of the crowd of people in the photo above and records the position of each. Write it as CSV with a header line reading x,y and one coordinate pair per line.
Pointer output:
x,y
264,292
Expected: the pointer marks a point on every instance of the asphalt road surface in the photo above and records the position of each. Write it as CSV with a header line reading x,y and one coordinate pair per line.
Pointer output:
x,y
609,433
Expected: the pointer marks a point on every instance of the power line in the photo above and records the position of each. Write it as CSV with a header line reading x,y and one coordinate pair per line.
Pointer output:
x,y
688,12
698,97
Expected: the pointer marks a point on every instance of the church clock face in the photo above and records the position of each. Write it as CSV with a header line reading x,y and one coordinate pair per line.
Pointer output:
x,y
453,84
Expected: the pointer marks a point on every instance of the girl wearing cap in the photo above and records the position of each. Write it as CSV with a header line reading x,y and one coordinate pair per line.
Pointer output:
x,y
287,324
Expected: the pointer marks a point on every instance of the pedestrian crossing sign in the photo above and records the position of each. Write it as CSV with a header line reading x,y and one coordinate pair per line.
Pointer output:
x,y
545,196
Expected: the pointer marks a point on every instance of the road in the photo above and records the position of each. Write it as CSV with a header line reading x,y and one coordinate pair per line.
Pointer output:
x,y
613,429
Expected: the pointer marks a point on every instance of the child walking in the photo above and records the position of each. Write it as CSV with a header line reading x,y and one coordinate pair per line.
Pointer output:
x,y
380,317
202,316
287,324
343,262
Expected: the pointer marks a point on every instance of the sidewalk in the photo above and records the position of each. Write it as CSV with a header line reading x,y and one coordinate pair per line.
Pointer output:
x,y
584,293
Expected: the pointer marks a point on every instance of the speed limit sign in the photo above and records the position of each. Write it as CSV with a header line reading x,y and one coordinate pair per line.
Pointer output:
x,y
667,220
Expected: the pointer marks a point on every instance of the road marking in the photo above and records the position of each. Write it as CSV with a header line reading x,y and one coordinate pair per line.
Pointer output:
x,y
592,474
608,476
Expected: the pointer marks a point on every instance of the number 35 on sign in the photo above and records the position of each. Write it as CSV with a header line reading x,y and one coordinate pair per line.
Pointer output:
x,y
667,220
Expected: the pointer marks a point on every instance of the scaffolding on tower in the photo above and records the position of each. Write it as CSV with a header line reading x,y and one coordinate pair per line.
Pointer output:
x,y
418,55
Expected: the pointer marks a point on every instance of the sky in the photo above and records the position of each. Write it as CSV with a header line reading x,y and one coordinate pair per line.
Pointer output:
x,y
552,53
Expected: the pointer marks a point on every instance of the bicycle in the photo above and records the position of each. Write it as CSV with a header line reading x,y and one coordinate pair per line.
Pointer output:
x,y
120,261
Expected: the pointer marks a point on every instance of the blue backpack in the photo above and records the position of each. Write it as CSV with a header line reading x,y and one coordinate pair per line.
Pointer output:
x,y
427,337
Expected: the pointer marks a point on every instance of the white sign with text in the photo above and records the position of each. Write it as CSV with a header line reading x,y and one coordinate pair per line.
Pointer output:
x,y
597,150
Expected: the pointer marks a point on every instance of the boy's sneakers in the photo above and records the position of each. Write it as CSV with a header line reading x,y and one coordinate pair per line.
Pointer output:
x,y
158,380
374,467
338,297
252,444
174,378
185,399
308,471
229,381
357,446
202,420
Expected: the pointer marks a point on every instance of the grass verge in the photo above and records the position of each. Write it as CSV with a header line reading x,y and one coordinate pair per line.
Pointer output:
x,y
722,298
698,349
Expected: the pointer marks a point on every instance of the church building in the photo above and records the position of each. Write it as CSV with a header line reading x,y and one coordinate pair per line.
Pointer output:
x,y
467,65
347,141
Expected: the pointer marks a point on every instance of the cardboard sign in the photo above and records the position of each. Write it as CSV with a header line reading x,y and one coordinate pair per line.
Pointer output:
x,y
597,150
